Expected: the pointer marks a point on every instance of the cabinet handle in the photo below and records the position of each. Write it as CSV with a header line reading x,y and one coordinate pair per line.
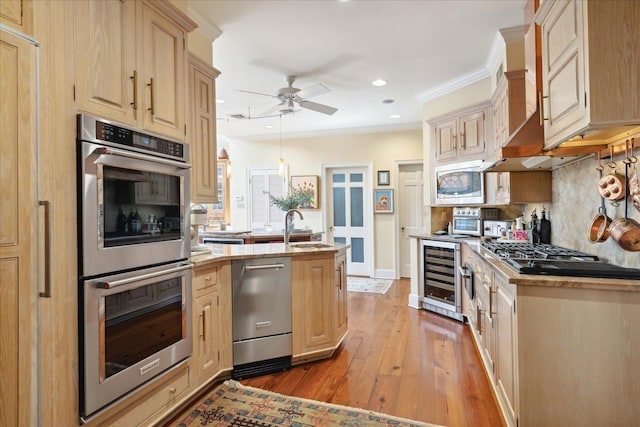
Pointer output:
x,y
540,102
491,293
479,319
134,104
172,390
47,248
151,94
463,142
201,321
455,140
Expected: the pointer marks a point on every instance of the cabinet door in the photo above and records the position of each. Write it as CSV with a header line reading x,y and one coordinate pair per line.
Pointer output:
x,y
563,67
312,296
485,321
105,44
18,226
471,134
163,77
446,134
340,289
15,13
206,336
506,339
204,188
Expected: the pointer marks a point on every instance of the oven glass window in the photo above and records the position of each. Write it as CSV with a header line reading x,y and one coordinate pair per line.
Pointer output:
x,y
140,206
139,323
465,224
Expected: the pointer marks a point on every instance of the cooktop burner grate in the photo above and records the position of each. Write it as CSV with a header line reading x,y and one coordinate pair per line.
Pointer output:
x,y
529,250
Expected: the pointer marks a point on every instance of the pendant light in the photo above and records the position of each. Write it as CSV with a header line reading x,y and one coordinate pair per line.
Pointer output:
x,y
281,161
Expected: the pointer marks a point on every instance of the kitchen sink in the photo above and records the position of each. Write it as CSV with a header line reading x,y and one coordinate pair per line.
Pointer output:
x,y
311,245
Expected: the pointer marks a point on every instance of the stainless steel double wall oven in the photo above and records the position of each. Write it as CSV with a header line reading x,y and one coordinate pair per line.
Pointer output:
x,y
134,244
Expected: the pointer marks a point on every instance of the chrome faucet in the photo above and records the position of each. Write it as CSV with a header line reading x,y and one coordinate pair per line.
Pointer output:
x,y
286,223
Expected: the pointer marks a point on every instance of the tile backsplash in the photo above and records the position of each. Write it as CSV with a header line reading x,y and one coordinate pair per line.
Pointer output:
x,y
575,202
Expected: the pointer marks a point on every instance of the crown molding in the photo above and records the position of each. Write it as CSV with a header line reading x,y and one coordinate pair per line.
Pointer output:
x,y
205,26
453,85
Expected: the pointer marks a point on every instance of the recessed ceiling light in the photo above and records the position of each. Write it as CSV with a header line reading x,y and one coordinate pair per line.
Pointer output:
x,y
388,101
379,82
219,101
394,116
269,126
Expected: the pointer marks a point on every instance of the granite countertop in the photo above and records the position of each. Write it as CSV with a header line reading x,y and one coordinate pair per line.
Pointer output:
x,y
254,233
220,252
515,278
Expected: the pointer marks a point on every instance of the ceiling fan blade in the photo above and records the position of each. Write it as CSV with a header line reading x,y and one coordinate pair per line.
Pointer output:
x,y
315,90
257,93
320,108
273,110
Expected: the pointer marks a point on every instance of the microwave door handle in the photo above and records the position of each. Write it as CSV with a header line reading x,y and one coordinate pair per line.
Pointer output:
x,y
137,156
116,283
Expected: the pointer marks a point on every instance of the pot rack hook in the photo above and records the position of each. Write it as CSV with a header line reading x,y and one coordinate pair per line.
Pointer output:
x,y
599,167
627,159
612,163
632,157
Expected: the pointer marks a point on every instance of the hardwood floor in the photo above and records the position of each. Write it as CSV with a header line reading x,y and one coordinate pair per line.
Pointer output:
x,y
399,361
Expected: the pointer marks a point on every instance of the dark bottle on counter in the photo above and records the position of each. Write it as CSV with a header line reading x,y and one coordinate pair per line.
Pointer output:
x,y
121,222
545,228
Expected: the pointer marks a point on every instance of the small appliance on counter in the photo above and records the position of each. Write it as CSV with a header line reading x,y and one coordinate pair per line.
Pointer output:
x,y
469,220
497,229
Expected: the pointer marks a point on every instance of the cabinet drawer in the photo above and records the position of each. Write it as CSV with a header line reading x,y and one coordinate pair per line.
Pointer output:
x,y
205,277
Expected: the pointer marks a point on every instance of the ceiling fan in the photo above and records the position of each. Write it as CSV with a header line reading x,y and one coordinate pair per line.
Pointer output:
x,y
290,96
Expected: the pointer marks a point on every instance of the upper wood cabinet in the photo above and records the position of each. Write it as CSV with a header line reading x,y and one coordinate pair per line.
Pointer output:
x,y
202,91
505,188
17,14
461,136
130,63
590,63
509,108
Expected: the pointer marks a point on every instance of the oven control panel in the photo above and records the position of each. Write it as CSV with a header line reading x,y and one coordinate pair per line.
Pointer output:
x,y
476,212
112,133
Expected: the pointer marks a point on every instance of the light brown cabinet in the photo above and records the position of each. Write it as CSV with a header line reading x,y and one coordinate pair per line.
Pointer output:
x,y
211,322
319,297
509,108
461,136
16,14
203,146
590,65
130,66
19,241
505,188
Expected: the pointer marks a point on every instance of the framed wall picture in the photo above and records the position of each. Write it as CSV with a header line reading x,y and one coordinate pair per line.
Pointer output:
x,y
308,185
383,178
383,201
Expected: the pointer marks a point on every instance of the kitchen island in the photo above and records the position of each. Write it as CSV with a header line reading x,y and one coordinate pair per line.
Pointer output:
x,y
558,350
252,237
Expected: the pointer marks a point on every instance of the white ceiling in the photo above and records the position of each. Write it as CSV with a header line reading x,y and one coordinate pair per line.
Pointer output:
x,y
420,47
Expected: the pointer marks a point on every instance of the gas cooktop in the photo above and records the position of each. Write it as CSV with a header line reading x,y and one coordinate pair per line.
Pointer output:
x,y
527,258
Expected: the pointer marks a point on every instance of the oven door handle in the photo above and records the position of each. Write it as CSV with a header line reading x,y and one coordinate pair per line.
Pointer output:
x,y
116,283
136,156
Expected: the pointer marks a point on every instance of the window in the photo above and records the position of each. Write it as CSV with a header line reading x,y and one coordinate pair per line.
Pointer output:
x,y
262,213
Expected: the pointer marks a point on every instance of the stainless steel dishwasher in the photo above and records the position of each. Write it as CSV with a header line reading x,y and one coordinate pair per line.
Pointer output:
x,y
261,316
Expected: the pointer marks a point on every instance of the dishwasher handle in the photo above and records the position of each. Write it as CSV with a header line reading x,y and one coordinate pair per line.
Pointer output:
x,y
263,267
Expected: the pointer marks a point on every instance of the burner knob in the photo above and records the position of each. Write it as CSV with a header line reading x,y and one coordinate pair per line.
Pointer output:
x,y
533,264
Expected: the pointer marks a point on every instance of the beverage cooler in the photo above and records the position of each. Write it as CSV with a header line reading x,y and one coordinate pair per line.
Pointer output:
x,y
440,278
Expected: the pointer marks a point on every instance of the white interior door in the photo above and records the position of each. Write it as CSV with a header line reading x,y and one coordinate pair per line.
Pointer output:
x,y
349,215
410,187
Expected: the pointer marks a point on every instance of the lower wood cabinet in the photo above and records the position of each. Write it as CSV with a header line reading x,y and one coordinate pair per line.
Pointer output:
x,y
211,321
319,297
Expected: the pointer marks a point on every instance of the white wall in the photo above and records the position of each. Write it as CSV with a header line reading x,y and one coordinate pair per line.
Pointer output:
x,y
305,157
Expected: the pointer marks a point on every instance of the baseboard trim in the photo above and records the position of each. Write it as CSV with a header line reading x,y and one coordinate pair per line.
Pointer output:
x,y
385,274
414,301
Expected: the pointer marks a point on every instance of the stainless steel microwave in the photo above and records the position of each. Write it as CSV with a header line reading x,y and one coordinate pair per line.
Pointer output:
x,y
460,183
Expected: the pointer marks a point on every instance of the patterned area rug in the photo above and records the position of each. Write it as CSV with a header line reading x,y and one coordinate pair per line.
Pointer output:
x,y
364,284
232,404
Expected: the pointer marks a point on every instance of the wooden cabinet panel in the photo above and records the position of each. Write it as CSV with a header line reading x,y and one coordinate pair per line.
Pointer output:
x,y
506,348
312,297
16,14
105,42
18,226
203,145
205,315
446,134
505,188
340,289
472,137
462,135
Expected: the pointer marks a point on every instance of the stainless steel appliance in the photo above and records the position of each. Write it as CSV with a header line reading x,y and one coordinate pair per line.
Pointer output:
x,y
469,220
135,325
460,183
493,228
527,258
261,313
440,278
133,197
133,242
